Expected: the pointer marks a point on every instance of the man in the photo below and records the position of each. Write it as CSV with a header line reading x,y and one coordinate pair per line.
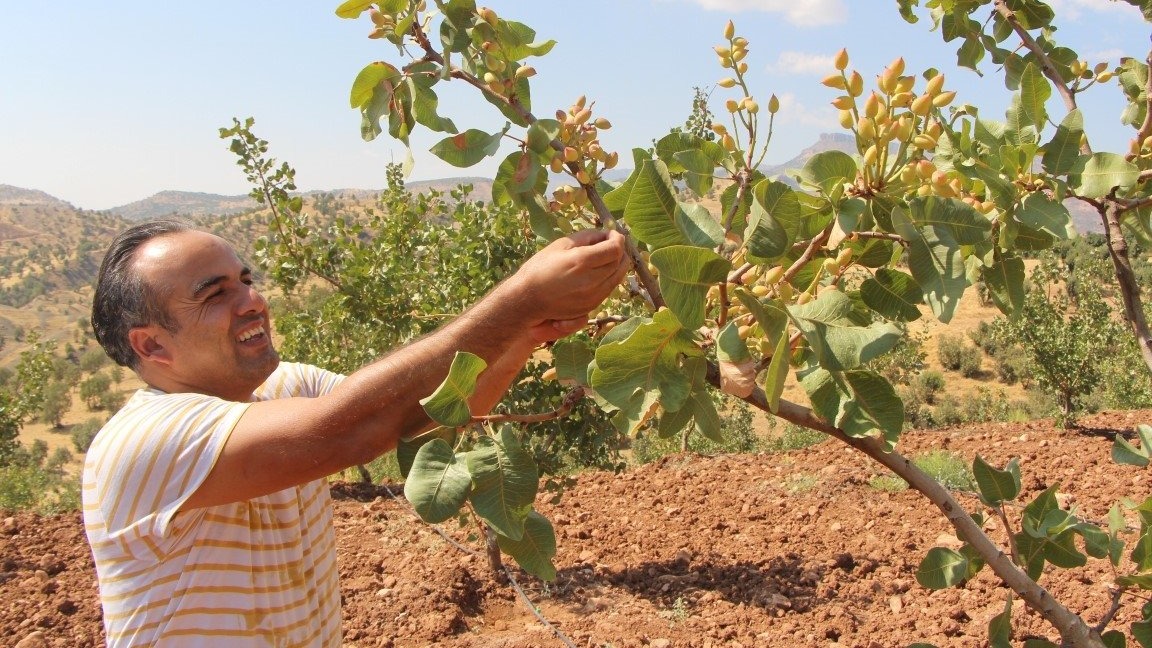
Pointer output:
x,y
205,498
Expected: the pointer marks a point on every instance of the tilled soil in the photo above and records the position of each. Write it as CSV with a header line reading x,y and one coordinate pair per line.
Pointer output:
x,y
790,549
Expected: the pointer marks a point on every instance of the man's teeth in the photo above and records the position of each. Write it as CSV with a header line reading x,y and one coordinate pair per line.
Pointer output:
x,y
248,335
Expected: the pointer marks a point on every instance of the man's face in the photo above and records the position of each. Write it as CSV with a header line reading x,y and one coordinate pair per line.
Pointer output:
x,y
222,345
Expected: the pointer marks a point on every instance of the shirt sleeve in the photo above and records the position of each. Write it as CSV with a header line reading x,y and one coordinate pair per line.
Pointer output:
x,y
156,457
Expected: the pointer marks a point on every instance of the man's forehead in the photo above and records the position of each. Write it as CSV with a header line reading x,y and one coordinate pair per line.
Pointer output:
x,y
185,258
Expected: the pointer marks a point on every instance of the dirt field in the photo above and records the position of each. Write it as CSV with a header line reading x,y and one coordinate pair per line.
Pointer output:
x,y
791,549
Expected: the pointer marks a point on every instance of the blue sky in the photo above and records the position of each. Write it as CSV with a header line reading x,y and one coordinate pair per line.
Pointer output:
x,y
105,103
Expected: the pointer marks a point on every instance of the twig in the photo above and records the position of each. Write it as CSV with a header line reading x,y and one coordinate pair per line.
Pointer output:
x,y
507,572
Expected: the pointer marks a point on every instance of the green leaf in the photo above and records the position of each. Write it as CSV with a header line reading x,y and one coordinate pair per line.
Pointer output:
x,y
776,376
833,328
1034,94
406,449
858,402
1000,627
645,367
686,274
1061,153
424,106
936,263
893,294
1114,639
829,170
353,8
438,483
1005,282
1127,454
366,81
771,315
967,226
467,148
996,486
699,403
651,207
1142,631
540,135
772,222
1094,176
572,358
504,482
535,549
729,346
1040,212
448,405
942,568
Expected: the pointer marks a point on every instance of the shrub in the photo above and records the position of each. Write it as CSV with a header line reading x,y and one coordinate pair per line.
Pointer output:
x,y
736,429
83,433
947,468
954,355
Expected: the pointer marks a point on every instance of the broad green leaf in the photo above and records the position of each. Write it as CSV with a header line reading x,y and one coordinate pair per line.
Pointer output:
x,y
936,263
467,148
686,274
858,402
406,449
518,41
520,179
1032,14
1040,212
1061,153
424,106
1125,453
540,135
968,226
829,170
634,373
1000,627
657,218
572,357
773,221
504,482
893,294
942,568
994,485
729,346
1005,282
1114,639
699,403
1094,176
833,329
672,144
353,8
438,482
1034,94
1142,630
448,405
700,165
617,199
366,81
535,549
1040,506
776,376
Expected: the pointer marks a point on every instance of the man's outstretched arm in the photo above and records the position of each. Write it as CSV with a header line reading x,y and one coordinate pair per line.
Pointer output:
x,y
282,443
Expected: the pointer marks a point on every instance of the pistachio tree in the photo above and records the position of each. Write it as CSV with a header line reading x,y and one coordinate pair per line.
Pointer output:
x,y
784,283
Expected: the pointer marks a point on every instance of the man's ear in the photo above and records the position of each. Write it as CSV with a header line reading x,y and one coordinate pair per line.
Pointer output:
x,y
146,343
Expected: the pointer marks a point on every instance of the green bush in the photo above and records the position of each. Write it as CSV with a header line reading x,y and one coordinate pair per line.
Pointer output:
x,y
83,433
954,355
947,468
736,429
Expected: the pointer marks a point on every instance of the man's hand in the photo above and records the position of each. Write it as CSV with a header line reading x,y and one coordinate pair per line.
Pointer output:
x,y
561,284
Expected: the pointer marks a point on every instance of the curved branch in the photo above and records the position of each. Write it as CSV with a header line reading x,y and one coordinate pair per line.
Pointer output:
x,y
1070,625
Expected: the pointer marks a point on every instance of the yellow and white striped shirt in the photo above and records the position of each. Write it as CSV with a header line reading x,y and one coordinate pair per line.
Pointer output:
x,y
256,573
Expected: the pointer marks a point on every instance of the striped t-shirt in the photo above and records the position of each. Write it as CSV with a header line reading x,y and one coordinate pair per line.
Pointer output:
x,y
256,573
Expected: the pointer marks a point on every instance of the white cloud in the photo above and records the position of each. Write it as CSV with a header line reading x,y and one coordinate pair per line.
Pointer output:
x,y
805,13
792,111
1075,9
790,62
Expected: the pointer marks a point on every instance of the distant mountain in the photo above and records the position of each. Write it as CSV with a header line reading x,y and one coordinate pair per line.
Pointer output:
x,y
184,203
10,195
827,142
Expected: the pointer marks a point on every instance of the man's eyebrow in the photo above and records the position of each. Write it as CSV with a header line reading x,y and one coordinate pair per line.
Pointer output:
x,y
206,284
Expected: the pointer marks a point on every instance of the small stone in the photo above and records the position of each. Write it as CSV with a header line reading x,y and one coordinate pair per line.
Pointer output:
x,y
35,639
660,643
9,526
895,604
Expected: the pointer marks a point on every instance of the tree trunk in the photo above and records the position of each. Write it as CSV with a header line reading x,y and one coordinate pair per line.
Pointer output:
x,y
1126,279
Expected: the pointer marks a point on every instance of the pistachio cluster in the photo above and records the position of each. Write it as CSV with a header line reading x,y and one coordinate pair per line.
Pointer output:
x,y
893,114
580,154
743,108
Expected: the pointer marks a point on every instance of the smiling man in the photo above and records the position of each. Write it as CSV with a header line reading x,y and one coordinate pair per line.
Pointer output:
x,y
205,499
